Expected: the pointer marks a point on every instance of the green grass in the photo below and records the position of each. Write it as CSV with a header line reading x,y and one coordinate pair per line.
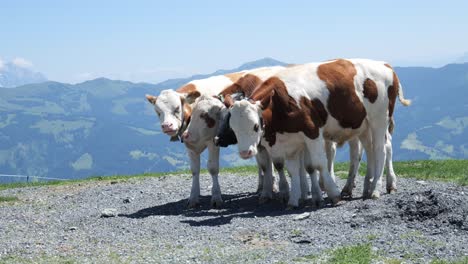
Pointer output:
x,y
8,199
355,254
359,254
463,260
440,170
444,170
362,254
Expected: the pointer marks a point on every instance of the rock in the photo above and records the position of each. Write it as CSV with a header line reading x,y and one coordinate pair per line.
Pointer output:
x,y
302,216
72,228
126,200
421,182
109,212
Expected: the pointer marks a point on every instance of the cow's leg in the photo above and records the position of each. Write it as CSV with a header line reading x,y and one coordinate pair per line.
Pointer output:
x,y
193,200
213,169
355,155
391,176
303,179
283,182
366,141
260,174
317,198
293,165
378,128
330,148
320,162
267,167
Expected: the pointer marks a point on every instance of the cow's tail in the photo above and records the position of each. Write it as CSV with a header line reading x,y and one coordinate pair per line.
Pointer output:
x,y
391,125
401,97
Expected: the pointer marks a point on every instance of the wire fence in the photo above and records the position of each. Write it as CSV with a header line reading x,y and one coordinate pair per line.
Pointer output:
x,y
30,178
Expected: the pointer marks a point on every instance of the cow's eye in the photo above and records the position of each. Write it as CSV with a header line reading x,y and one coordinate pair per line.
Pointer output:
x,y
256,127
177,110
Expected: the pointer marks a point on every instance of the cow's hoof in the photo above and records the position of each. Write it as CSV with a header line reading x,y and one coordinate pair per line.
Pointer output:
x,y
335,200
375,195
346,194
216,203
391,190
264,199
193,203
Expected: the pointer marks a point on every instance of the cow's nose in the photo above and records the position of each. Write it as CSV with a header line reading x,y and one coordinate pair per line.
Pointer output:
x,y
245,154
166,126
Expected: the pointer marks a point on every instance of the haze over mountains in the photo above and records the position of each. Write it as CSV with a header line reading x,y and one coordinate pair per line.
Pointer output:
x,y
18,72
106,127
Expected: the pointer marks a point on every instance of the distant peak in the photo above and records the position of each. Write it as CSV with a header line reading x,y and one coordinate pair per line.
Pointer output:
x,y
264,62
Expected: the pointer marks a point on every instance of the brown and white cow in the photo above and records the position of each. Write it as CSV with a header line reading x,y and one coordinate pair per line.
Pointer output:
x,y
303,106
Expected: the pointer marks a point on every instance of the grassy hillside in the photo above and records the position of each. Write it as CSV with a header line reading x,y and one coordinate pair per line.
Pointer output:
x,y
440,170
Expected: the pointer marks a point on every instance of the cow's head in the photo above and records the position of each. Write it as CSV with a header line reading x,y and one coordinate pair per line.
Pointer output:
x,y
204,122
173,111
246,122
225,136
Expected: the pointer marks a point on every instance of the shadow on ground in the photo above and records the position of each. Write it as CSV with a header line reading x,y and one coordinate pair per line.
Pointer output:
x,y
241,205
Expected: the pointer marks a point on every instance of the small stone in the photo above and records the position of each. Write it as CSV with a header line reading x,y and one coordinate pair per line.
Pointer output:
x,y
302,216
109,212
114,182
72,228
421,182
126,200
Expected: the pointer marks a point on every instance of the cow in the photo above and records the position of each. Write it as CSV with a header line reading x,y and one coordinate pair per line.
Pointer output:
x,y
302,107
174,109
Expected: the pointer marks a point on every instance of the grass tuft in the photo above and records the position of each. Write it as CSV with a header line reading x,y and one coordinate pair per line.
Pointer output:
x,y
8,199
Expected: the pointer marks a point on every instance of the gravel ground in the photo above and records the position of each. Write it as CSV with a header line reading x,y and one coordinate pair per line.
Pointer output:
x,y
149,222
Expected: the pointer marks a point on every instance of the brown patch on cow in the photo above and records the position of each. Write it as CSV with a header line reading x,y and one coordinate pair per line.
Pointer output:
x,y
188,88
370,90
187,111
392,93
388,66
244,85
210,122
234,76
343,103
282,114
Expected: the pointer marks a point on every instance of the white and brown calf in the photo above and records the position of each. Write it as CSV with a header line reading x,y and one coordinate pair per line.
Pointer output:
x,y
174,109
303,106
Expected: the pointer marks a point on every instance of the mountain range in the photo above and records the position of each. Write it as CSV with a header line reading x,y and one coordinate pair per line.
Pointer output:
x,y
106,127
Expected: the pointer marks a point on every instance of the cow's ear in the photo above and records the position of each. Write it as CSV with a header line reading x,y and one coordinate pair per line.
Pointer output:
x,y
151,98
191,96
228,101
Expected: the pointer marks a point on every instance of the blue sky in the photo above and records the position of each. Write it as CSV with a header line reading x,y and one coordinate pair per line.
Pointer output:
x,y
151,41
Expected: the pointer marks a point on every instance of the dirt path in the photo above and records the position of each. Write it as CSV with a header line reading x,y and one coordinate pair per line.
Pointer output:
x,y
423,221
